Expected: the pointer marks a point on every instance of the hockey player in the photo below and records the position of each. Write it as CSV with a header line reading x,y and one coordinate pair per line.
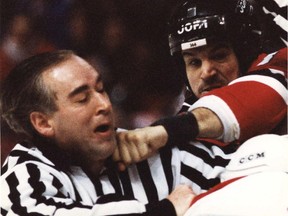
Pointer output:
x,y
245,187
219,47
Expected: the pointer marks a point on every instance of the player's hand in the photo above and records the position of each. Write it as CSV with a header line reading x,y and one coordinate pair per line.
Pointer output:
x,y
137,145
181,198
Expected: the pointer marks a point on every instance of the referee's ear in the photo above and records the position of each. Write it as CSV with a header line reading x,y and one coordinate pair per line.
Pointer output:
x,y
42,124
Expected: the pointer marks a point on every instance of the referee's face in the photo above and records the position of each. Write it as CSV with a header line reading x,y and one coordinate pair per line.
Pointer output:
x,y
210,67
83,124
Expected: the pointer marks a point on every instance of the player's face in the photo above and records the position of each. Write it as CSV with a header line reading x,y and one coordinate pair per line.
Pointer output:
x,y
210,67
83,124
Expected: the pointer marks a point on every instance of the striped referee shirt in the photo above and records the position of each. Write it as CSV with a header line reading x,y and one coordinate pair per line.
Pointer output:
x,y
32,183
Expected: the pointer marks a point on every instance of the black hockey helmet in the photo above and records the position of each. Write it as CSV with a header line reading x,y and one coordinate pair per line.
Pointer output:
x,y
197,23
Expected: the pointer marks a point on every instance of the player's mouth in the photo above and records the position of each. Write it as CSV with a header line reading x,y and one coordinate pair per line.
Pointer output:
x,y
208,89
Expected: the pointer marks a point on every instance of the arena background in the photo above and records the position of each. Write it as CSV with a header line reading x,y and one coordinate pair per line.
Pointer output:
x,y
126,40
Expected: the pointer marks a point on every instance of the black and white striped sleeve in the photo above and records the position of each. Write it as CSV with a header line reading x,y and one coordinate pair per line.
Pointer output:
x,y
35,188
202,163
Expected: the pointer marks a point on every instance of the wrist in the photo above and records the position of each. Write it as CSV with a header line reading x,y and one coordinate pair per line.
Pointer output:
x,y
162,135
179,129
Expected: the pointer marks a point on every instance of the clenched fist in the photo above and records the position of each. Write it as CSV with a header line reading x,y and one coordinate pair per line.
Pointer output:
x,y
137,145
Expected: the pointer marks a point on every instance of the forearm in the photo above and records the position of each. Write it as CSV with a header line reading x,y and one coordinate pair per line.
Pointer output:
x,y
205,119
198,123
246,108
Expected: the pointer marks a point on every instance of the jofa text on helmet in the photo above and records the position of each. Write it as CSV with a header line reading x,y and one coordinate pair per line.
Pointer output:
x,y
195,25
252,157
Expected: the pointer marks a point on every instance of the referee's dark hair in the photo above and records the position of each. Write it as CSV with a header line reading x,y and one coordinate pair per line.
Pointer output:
x,y
23,91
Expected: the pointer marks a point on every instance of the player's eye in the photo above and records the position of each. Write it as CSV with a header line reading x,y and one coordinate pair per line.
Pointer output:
x,y
194,62
220,54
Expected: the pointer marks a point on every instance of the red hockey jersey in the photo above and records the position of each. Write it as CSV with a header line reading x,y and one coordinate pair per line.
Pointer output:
x,y
255,103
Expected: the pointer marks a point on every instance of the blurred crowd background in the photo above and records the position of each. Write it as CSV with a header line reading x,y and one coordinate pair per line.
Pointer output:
x,y
126,40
